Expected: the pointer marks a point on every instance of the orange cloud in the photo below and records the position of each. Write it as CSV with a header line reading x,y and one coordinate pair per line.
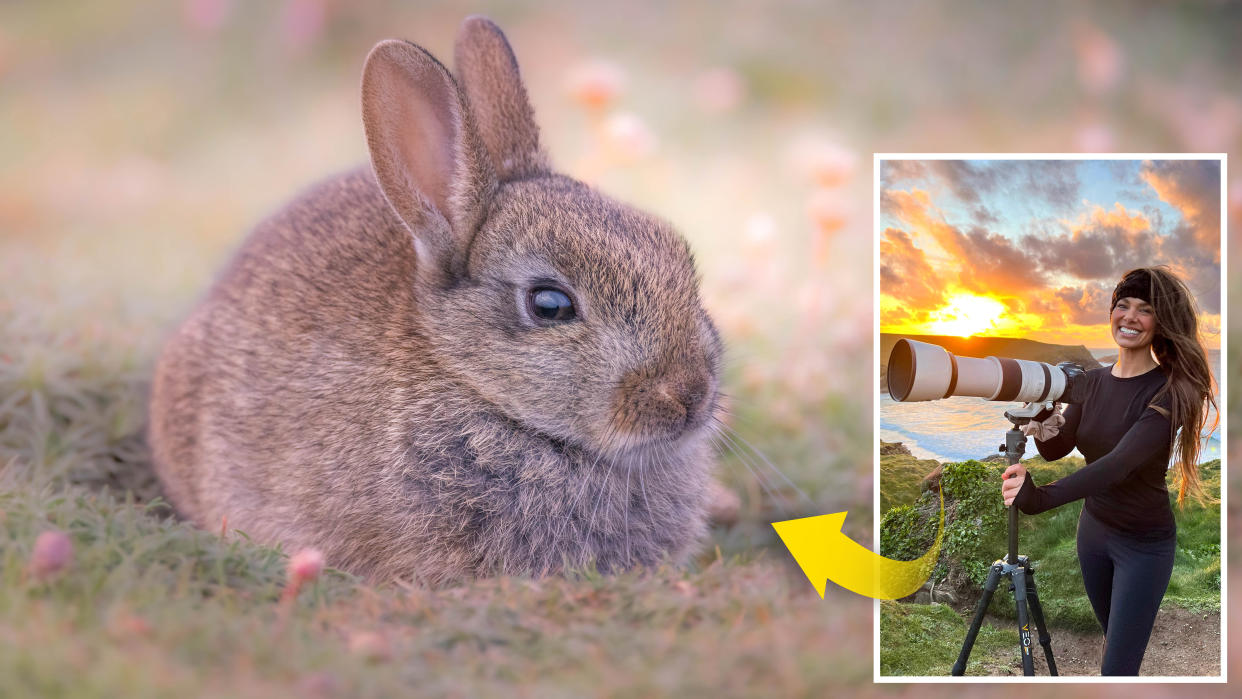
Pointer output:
x,y
1085,305
905,274
985,263
1104,245
1193,188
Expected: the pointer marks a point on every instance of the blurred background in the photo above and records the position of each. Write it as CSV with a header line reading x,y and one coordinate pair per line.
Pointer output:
x,y
141,141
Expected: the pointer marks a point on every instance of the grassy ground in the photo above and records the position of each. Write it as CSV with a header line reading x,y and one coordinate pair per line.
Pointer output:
x,y
151,607
901,476
912,636
922,640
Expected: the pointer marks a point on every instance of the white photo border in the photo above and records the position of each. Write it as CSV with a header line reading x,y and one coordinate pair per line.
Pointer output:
x,y
1223,380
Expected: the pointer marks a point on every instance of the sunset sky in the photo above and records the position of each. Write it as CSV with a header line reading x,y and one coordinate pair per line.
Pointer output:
x,y
1033,248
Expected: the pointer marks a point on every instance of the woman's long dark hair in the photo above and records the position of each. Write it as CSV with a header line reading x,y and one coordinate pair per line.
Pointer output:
x,y
1180,350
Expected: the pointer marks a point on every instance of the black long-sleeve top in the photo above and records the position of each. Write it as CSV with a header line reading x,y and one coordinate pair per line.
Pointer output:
x,y
1126,444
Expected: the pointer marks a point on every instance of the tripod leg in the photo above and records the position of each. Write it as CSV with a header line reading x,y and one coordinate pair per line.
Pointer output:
x,y
1024,624
1037,613
989,589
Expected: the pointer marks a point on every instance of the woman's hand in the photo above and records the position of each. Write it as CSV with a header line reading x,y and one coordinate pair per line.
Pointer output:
x,y
1011,486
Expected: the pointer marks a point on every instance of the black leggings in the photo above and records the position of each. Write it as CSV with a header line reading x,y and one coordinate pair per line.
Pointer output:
x,y
1125,581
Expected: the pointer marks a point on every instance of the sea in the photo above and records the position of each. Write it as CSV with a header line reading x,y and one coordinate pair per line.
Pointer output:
x,y
961,428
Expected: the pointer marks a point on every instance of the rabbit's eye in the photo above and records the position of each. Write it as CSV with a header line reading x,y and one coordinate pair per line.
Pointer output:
x,y
550,304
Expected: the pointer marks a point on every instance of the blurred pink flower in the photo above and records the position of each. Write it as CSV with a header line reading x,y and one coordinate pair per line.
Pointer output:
x,y
595,84
53,552
305,565
1100,60
319,684
864,486
755,375
806,377
1094,138
124,625
628,138
814,298
1209,124
735,321
206,16
370,646
759,232
133,181
829,210
719,90
1235,195
302,22
856,331
1204,120
783,411
827,163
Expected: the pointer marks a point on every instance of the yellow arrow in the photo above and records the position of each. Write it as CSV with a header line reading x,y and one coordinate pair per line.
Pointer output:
x,y
825,553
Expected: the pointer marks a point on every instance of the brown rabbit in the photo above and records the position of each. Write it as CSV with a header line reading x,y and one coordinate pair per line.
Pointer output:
x,y
454,363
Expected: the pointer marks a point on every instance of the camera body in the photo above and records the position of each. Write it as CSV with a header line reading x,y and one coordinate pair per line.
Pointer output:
x,y
919,371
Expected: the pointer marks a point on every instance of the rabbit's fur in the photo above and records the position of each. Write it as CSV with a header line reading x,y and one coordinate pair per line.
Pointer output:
x,y
366,378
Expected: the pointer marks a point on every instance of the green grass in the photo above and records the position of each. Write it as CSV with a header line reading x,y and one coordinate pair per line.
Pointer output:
x,y
900,479
924,640
152,608
1049,539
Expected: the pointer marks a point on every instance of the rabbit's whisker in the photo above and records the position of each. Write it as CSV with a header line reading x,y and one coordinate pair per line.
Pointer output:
x,y
642,484
770,465
626,515
737,451
599,498
586,476
573,508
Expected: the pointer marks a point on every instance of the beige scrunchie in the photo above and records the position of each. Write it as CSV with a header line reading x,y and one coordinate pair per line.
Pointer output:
x,y
1049,428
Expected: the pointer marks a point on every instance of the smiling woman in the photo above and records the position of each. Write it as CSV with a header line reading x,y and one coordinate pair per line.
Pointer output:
x,y
1128,428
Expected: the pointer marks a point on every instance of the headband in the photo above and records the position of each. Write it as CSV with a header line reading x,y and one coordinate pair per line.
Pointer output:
x,y
1136,284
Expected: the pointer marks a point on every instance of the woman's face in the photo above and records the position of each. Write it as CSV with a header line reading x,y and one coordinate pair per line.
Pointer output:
x,y
1133,323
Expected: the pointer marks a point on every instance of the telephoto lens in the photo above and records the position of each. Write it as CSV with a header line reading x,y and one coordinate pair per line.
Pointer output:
x,y
923,371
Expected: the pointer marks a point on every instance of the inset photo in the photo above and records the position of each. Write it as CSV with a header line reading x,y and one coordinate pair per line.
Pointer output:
x,y
1049,359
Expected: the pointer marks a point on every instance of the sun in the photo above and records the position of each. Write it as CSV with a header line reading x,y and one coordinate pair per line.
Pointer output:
x,y
965,315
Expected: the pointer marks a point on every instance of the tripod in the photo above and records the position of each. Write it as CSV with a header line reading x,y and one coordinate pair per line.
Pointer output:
x,y
1017,568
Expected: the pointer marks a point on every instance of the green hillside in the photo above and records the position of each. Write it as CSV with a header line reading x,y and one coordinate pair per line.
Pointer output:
x,y
974,536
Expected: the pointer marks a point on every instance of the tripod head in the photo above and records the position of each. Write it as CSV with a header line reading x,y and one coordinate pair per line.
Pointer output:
x,y
1015,440
1038,412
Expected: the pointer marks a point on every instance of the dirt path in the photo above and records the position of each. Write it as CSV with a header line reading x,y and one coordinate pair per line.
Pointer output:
x,y
1183,643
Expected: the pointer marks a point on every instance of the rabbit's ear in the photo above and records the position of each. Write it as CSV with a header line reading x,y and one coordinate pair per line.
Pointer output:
x,y
489,75
427,155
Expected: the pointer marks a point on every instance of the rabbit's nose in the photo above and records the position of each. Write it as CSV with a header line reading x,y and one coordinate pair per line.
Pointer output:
x,y
687,392
678,400
663,403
